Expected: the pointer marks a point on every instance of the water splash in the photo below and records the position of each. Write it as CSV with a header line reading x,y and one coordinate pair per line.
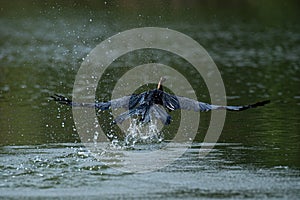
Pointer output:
x,y
138,132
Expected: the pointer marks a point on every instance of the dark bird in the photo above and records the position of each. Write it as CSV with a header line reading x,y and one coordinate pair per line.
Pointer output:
x,y
153,101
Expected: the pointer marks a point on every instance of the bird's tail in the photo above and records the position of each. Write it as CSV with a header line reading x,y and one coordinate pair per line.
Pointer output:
x,y
145,114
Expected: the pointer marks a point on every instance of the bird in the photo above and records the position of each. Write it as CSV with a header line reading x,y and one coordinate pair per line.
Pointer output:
x,y
156,102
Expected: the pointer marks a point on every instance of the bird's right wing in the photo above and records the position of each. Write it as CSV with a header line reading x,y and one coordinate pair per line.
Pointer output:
x,y
123,102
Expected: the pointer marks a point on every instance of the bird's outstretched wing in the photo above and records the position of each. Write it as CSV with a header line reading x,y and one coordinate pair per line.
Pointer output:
x,y
173,102
123,102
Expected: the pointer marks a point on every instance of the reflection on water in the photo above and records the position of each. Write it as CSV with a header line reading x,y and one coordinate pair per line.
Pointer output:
x,y
255,48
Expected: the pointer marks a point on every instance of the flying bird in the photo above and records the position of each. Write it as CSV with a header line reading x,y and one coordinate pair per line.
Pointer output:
x,y
155,102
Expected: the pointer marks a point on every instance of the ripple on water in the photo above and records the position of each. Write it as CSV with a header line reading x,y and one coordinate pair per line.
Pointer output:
x,y
70,170
48,166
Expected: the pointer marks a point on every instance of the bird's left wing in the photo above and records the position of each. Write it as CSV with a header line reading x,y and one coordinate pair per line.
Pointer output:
x,y
173,102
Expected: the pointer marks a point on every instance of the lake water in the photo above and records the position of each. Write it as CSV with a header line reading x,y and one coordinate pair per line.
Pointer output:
x,y
255,48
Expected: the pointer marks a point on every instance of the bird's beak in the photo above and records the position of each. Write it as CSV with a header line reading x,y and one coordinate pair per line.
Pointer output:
x,y
161,80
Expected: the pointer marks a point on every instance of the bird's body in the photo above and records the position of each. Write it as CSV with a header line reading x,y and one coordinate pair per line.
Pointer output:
x,y
153,102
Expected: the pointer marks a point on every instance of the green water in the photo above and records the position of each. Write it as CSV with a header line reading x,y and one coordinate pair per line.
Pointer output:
x,y
255,46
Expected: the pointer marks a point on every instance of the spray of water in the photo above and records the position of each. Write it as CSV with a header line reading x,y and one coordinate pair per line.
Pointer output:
x,y
142,133
139,133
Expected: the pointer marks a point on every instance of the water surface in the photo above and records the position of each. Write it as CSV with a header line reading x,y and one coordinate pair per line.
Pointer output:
x,y
66,170
254,46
